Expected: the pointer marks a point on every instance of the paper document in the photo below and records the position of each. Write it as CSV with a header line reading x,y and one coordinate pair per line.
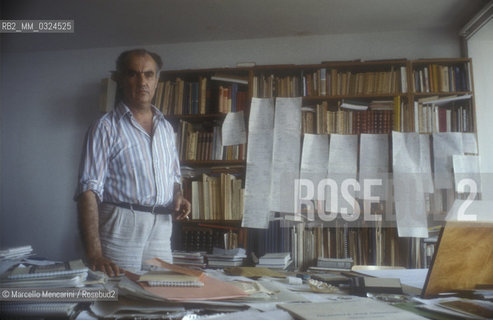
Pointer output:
x,y
411,277
363,308
469,142
445,146
374,165
212,289
285,154
425,163
233,129
342,169
314,159
466,174
256,212
408,185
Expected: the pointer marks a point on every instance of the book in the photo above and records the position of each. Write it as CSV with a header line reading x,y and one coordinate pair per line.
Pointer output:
x,y
170,279
275,258
230,78
335,263
354,105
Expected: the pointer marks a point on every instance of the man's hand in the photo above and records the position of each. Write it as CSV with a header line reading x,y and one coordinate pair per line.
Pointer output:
x,y
182,206
101,263
89,230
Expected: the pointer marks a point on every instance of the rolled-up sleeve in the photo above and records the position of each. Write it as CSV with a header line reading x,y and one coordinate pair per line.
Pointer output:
x,y
175,159
94,159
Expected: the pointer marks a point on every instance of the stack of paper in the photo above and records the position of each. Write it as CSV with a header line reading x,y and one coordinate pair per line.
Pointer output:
x,y
191,259
278,260
57,275
170,279
12,256
212,289
334,264
15,253
44,274
221,258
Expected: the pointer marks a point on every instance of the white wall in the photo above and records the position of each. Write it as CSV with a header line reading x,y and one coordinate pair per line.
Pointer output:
x,y
50,98
480,48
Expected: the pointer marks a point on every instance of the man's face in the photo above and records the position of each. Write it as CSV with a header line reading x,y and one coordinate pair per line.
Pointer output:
x,y
139,81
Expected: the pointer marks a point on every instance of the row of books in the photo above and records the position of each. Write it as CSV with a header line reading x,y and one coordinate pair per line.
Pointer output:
x,y
215,197
322,121
178,97
330,82
231,99
442,78
437,118
276,238
183,97
307,243
333,82
363,245
315,247
205,145
269,86
195,238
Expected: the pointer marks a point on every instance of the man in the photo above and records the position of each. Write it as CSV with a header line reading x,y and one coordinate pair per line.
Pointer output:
x,y
130,174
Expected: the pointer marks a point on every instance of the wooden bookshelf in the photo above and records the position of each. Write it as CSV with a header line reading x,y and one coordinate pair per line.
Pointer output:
x,y
392,89
435,80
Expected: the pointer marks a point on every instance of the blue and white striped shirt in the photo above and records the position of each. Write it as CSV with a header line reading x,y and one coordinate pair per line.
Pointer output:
x,y
121,162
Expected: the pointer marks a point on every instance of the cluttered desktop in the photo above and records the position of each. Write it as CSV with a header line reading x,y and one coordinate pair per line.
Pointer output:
x,y
453,287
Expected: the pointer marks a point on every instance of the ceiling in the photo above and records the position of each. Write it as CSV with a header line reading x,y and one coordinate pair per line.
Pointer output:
x,y
111,23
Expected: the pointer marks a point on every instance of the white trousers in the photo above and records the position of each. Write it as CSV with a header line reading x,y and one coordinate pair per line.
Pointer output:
x,y
130,237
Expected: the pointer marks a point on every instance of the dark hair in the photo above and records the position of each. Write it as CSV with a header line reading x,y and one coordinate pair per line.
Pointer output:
x,y
121,62
121,66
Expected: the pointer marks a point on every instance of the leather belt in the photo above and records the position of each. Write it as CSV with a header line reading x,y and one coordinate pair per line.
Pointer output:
x,y
138,207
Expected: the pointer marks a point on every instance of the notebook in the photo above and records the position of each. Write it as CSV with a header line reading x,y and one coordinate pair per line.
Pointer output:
x,y
20,310
170,279
57,269
213,289
462,259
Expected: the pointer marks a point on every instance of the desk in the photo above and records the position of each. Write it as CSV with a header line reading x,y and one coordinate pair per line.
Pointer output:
x,y
273,298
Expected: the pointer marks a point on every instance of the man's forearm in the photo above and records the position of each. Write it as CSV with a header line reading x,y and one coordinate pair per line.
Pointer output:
x,y
176,190
89,224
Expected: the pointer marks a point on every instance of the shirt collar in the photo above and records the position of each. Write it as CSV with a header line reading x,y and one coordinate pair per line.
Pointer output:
x,y
122,109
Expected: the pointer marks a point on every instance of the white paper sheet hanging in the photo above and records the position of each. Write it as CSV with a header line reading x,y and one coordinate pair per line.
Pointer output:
x,y
469,142
286,154
233,129
445,145
408,185
256,213
342,169
374,166
314,159
467,177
